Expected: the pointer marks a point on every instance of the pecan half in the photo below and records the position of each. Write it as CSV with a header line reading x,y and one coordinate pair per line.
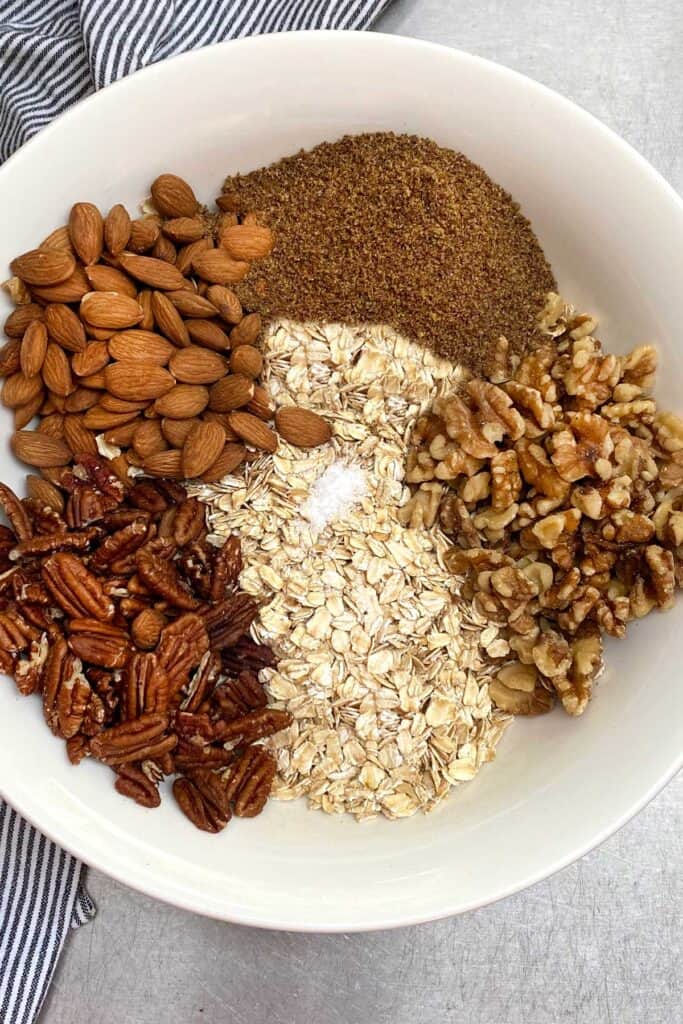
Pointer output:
x,y
250,780
146,686
247,654
161,577
203,798
181,647
239,696
16,634
228,621
189,521
66,691
253,726
132,782
99,642
16,513
75,589
139,740
45,544
120,544
227,566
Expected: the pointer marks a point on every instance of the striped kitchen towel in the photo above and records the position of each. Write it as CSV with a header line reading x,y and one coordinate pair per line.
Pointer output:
x,y
52,53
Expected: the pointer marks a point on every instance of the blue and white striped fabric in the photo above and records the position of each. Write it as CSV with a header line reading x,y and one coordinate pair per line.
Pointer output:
x,y
52,53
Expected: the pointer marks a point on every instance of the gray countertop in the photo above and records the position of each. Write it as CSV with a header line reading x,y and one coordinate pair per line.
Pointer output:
x,y
598,943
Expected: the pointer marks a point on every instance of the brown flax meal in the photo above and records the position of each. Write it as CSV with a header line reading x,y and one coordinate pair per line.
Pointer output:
x,y
394,229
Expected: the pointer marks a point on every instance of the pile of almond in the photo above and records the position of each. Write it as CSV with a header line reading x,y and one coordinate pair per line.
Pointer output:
x,y
127,339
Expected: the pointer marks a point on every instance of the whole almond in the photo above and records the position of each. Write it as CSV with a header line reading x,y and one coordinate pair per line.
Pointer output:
x,y
226,302
217,267
231,457
173,197
57,370
18,389
222,418
98,333
246,332
38,449
86,231
246,241
55,402
81,399
164,249
146,628
247,360
204,444
110,309
155,273
148,439
23,414
64,327
79,439
301,427
189,303
167,463
183,402
137,381
117,229
229,201
59,239
113,404
232,392
52,424
142,346
119,466
92,358
209,334
145,300
143,234
43,267
253,431
71,290
169,321
10,356
108,279
94,380
46,493
195,365
122,436
100,419
19,319
188,252
260,404
33,348
176,431
184,229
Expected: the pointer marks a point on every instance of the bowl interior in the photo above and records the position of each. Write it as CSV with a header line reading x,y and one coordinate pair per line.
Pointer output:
x,y
613,231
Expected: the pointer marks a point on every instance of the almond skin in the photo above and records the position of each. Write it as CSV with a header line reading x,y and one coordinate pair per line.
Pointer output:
x,y
140,346
113,404
108,279
188,252
148,439
43,267
33,348
217,267
184,229
208,334
144,231
247,360
260,404
117,229
19,319
57,370
173,197
302,428
183,402
176,431
145,300
155,273
79,439
81,399
232,392
92,358
246,241
109,309
165,464
246,332
231,457
100,419
137,381
72,289
64,327
253,431
202,447
189,303
164,249
45,492
86,231
195,365
10,356
122,436
169,320
40,449
23,414
59,239
226,302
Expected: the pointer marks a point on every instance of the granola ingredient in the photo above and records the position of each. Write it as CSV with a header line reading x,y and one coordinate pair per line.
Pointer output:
x,y
112,604
384,228
555,483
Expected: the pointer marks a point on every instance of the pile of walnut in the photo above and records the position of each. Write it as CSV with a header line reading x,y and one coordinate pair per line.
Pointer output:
x,y
127,333
130,626
562,486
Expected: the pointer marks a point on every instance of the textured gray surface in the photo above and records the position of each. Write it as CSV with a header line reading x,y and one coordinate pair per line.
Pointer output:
x,y
599,943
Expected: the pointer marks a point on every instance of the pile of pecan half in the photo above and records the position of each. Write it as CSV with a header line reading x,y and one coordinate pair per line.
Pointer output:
x,y
562,486
131,627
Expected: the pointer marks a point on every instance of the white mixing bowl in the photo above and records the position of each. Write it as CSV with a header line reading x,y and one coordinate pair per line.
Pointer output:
x,y
613,230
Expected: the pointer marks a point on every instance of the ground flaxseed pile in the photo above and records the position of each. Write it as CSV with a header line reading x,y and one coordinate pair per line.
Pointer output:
x,y
384,228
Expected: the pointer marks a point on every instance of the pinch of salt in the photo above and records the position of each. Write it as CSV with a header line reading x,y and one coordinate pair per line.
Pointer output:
x,y
333,494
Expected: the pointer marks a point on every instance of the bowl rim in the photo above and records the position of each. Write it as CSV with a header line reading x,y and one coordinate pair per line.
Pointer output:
x,y
157,886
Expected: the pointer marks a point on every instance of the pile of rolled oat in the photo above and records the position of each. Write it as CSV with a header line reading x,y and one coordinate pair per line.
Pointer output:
x,y
381,664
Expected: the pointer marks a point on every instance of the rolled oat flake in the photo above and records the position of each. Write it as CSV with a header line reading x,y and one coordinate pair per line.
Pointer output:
x,y
384,228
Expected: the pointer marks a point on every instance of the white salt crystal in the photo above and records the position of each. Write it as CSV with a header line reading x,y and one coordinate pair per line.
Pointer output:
x,y
332,495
